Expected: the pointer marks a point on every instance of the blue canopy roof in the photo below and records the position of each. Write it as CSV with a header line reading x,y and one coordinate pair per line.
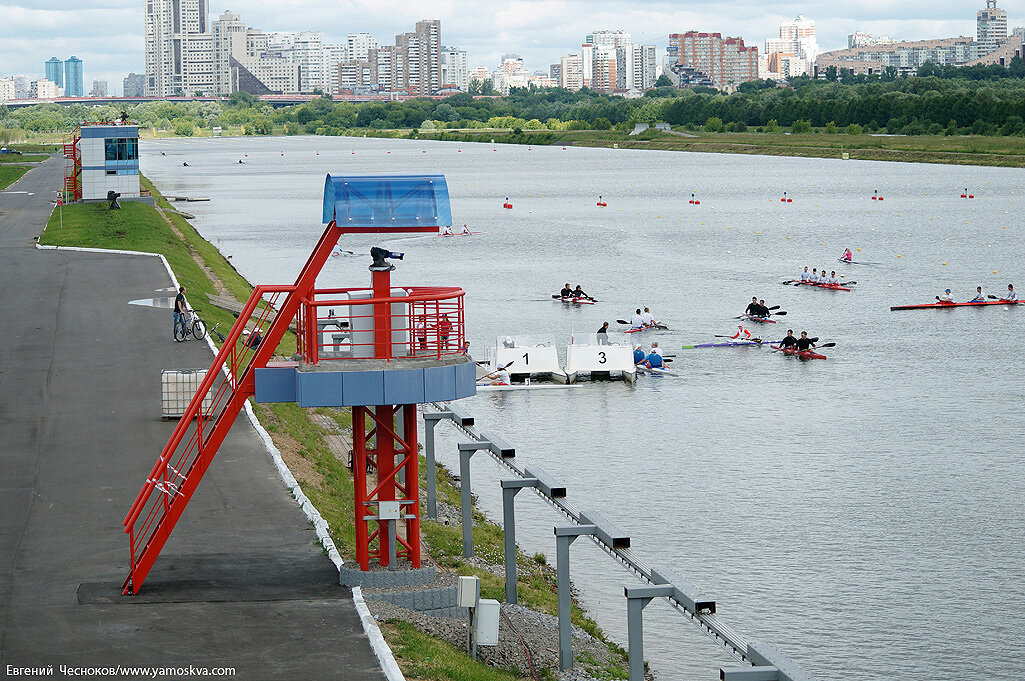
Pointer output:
x,y
387,202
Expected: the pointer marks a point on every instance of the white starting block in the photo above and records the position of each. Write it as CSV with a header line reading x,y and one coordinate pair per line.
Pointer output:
x,y
524,358
601,359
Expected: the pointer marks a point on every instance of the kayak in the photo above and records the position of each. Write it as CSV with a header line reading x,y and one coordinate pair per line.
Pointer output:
x,y
494,387
832,287
761,320
656,371
723,344
576,301
646,328
925,306
803,354
461,234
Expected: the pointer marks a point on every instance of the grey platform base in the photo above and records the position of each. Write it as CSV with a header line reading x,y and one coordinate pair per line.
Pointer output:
x,y
439,602
385,579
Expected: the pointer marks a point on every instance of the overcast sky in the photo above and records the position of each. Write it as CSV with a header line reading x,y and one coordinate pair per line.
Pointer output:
x,y
107,34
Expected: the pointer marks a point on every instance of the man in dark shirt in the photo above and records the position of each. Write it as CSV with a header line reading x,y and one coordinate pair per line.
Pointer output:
x,y
804,343
579,293
181,308
752,307
789,341
603,334
566,292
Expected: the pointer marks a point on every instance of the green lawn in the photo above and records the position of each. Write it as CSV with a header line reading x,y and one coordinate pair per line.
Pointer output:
x,y
11,174
23,158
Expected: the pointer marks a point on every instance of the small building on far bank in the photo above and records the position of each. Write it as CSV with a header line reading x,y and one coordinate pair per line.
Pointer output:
x,y
101,157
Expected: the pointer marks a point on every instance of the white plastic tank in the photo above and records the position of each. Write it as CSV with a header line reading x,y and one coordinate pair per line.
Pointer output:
x,y
361,323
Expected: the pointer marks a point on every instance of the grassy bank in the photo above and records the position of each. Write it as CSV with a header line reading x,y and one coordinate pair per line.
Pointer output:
x,y
10,174
956,150
323,474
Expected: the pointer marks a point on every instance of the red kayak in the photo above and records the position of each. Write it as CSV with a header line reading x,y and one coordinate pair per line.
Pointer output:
x,y
762,320
576,301
803,354
831,287
925,306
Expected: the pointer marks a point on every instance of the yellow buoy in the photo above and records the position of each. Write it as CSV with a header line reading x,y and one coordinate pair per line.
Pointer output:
x,y
898,255
994,271
859,249
944,264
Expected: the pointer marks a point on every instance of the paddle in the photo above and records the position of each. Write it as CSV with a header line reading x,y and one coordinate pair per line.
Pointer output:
x,y
775,307
826,345
848,283
622,321
780,313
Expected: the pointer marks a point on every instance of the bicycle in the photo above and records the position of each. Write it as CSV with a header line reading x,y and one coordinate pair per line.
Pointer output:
x,y
191,326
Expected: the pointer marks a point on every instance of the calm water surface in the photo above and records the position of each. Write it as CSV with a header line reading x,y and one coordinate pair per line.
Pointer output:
x,y
864,513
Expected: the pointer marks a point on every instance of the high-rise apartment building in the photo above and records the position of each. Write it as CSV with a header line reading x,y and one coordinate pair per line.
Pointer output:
x,y
860,39
604,72
99,89
612,39
173,30
727,62
45,89
455,70
74,81
991,24
7,89
412,65
572,72
796,47
636,67
134,85
55,71
555,73
358,46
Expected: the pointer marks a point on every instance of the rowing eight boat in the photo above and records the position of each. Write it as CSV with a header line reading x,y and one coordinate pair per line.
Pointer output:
x,y
981,303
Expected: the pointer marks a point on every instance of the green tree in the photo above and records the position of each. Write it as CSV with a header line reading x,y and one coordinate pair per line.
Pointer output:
x,y
601,124
663,81
800,127
853,129
241,99
184,127
772,126
713,124
831,128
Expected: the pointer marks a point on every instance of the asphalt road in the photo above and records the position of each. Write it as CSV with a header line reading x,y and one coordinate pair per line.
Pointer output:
x,y
241,582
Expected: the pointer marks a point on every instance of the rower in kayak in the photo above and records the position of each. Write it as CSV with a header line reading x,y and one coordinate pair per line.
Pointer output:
x,y
654,358
637,321
833,280
753,308
638,355
742,333
649,319
788,342
979,297
579,293
764,310
805,276
847,255
566,292
946,297
804,343
500,376
823,277
1011,296
447,231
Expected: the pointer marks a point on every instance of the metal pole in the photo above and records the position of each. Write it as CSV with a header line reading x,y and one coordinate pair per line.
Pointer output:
x,y
392,558
466,502
509,527
431,472
565,623
635,636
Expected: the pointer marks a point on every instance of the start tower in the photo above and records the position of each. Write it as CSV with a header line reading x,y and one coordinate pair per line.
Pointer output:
x,y
380,350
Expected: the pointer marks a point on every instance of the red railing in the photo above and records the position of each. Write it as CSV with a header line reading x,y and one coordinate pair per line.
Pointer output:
x,y
428,322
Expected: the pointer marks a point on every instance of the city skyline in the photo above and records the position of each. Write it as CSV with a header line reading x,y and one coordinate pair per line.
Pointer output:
x,y
537,30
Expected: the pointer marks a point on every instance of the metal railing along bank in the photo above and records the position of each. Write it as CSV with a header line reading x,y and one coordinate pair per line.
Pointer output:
x,y
767,662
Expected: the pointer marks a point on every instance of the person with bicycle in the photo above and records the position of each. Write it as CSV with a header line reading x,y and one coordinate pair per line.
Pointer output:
x,y
181,308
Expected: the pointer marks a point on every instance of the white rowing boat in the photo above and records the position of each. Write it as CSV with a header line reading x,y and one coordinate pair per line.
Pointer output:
x,y
488,388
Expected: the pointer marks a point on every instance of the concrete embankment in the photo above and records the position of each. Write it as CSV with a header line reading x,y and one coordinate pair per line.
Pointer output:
x,y
241,584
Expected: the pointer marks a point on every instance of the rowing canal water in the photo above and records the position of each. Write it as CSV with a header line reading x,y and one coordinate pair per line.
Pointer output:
x,y
863,513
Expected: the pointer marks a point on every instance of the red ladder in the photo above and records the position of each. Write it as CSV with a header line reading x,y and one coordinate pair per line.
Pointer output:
x,y
214,407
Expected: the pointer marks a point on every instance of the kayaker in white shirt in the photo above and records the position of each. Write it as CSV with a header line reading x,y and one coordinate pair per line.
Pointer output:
x,y
979,296
805,276
649,319
823,277
637,321
833,279
1011,296
813,278
500,376
946,297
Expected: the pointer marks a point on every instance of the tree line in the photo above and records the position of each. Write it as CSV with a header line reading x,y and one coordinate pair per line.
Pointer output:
x,y
988,100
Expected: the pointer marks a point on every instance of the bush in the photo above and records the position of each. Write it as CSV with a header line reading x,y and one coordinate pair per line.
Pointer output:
x,y
772,126
735,126
831,128
713,124
183,128
854,129
517,131
800,127
601,124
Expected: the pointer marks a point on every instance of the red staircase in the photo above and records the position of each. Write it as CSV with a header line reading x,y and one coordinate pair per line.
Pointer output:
x,y
72,167
187,455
